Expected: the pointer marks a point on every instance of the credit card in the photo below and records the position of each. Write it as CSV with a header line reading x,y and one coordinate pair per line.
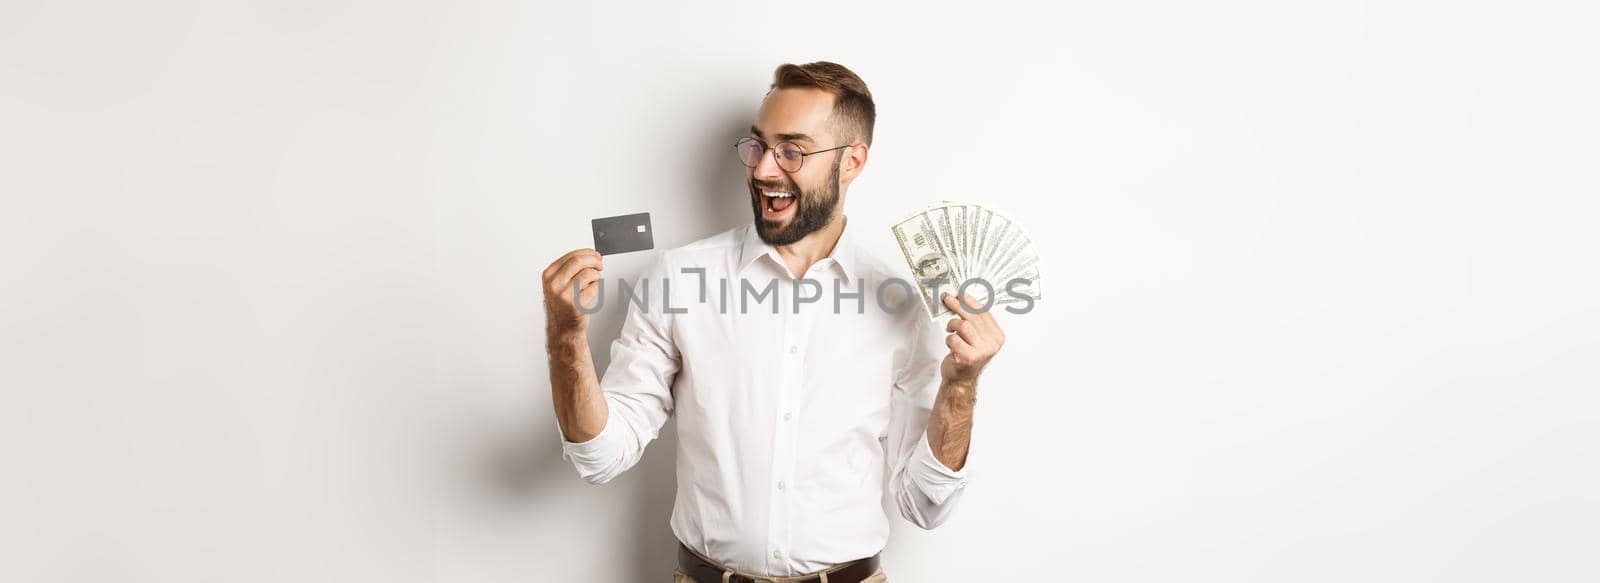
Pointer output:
x,y
623,234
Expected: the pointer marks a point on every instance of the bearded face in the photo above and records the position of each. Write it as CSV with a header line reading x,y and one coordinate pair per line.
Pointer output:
x,y
786,213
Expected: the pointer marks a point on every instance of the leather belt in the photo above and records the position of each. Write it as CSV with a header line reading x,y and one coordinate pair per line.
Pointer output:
x,y
704,571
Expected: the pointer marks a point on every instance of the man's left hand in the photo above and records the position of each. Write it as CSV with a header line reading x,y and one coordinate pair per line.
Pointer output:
x,y
974,339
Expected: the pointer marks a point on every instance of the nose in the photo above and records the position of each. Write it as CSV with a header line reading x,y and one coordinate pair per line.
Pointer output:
x,y
767,167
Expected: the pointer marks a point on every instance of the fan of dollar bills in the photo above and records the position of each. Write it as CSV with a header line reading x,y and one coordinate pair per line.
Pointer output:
x,y
952,243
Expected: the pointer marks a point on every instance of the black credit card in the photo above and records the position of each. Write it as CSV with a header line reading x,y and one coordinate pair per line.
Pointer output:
x,y
622,234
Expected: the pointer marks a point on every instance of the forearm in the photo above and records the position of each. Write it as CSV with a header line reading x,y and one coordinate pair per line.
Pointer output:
x,y
574,389
950,423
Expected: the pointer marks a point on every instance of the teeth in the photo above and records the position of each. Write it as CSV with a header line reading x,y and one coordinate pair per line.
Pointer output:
x,y
777,194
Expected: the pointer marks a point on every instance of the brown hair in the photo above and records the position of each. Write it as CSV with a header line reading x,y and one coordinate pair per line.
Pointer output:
x,y
853,111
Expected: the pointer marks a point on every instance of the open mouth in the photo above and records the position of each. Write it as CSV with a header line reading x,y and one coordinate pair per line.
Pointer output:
x,y
776,203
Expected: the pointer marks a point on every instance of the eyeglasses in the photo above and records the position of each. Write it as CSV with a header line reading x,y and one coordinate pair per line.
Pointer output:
x,y
788,155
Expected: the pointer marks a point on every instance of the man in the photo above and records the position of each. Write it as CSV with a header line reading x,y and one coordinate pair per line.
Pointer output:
x,y
793,422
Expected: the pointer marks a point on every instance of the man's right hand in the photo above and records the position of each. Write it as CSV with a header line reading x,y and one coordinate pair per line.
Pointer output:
x,y
574,389
562,317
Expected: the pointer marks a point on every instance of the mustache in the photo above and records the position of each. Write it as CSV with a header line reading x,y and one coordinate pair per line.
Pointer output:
x,y
770,185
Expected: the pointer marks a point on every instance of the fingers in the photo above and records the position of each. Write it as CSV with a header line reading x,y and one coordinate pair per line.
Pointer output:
x,y
958,345
556,265
978,333
578,261
583,280
560,262
587,294
967,307
954,305
581,289
969,330
960,307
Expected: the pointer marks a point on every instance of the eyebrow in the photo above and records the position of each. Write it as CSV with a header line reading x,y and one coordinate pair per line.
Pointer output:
x,y
755,131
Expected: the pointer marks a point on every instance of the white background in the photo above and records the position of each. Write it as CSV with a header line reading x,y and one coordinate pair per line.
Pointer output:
x,y
1323,305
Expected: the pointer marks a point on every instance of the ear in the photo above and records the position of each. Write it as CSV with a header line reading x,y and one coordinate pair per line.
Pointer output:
x,y
855,159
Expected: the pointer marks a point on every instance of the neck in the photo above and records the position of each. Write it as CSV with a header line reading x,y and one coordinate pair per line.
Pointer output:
x,y
801,255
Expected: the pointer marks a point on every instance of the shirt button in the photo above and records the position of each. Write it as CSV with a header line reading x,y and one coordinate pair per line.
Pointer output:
x,y
794,349
785,415
780,484
776,554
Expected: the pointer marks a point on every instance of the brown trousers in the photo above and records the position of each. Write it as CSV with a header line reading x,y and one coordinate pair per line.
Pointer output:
x,y
879,577
678,576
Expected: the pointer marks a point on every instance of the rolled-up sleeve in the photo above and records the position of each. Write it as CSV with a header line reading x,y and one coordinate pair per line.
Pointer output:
x,y
926,490
637,386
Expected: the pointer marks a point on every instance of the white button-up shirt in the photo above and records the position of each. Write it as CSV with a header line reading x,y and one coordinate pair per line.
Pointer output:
x,y
794,414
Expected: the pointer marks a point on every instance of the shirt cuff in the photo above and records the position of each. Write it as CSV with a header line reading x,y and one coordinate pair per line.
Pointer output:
x,y
593,452
930,475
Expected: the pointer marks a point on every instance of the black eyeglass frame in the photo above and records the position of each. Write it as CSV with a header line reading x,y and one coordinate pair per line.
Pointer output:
x,y
765,148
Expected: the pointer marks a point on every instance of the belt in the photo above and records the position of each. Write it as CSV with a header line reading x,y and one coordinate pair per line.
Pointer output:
x,y
703,571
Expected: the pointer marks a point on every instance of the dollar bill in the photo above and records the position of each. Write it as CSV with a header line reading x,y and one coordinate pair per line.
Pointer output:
x,y
931,267
956,247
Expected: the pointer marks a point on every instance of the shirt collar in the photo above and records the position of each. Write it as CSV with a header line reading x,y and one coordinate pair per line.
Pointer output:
x,y
846,254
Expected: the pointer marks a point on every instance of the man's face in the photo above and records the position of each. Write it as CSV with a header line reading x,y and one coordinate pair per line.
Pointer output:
x,y
799,115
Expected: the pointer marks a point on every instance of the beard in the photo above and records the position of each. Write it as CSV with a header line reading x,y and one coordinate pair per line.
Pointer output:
x,y
815,210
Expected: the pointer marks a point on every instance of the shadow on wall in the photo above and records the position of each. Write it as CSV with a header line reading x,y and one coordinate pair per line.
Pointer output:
x,y
530,464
